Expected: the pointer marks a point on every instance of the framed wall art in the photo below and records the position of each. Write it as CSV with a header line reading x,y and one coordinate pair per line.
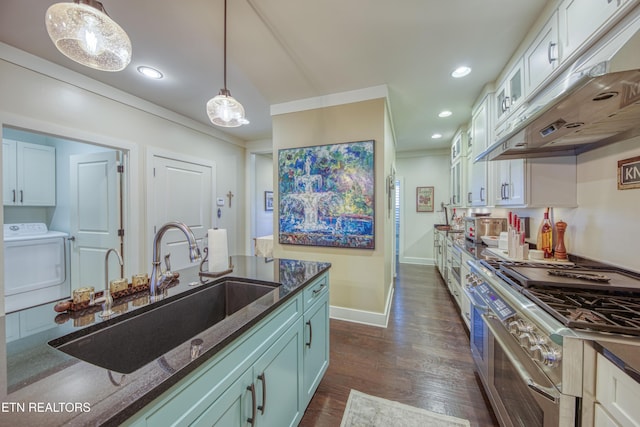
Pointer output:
x,y
424,199
326,195
268,200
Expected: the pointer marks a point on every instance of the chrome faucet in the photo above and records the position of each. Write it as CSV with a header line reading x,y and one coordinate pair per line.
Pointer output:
x,y
157,278
108,300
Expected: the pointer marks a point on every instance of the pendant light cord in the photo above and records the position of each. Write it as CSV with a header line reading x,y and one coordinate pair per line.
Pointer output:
x,y
225,47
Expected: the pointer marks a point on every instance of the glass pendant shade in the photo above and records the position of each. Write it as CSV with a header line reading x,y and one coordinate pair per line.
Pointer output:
x,y
223,110
83,32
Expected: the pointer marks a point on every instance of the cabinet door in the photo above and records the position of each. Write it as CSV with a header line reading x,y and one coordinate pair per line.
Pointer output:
x,y
36,178
542,56
516,189
9,172
316,347
581,21
509,183
500,181
480,137
278,380
510,93
456,183
234,408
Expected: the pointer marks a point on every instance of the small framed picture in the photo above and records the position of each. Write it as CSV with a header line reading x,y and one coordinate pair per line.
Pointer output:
x,y
424,199
268,200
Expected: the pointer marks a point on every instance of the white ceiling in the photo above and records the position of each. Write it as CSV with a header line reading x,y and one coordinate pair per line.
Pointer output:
x,y
286,50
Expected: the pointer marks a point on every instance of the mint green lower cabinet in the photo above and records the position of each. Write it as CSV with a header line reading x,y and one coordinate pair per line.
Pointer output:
x,y
233,408
316,346
267,394
275,368
278,382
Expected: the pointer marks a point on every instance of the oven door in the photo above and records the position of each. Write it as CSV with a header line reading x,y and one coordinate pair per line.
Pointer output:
x,y
521,394
478,335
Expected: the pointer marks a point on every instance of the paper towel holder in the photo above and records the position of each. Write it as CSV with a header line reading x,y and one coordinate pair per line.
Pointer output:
x,y
204,273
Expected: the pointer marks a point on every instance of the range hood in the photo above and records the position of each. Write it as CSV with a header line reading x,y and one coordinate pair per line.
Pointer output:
x,y
586,107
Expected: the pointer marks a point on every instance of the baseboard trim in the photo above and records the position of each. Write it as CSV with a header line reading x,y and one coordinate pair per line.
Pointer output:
x,y
370,318
416,261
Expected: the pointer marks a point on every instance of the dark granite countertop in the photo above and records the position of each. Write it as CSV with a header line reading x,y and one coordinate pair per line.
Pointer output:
x,y
43,386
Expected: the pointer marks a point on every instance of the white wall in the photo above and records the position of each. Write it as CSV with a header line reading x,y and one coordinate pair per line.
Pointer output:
x,y
45,98
421,169
604,227
264,182
606,224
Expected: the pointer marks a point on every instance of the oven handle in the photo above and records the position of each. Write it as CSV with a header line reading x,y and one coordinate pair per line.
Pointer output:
x,y
549,393
474,300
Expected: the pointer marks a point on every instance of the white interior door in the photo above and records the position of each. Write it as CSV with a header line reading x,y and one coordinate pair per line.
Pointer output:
x,y
182,191
95,217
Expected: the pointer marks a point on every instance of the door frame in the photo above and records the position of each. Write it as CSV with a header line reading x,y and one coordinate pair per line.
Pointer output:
x,y
131,181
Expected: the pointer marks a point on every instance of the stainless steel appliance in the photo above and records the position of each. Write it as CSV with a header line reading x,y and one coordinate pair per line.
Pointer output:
x,y
594,102
529,324
521,354
475,227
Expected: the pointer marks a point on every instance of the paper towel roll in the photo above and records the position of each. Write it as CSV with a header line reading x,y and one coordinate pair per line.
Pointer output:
x,y
218,250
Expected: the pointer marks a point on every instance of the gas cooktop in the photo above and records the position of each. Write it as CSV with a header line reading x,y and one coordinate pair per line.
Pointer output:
x,y
601,299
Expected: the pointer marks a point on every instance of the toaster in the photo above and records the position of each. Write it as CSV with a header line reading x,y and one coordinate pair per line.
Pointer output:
x,y
476,227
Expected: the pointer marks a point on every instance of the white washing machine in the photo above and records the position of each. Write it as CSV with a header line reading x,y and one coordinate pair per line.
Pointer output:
x,y
35,266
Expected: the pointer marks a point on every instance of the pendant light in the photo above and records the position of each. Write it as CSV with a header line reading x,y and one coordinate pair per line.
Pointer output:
x,y
84,32
223,109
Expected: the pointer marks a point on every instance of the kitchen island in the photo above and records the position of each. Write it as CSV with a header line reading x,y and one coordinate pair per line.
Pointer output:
x,y
44,386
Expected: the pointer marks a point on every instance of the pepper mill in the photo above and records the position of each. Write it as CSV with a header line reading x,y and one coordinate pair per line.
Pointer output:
x,y
560,250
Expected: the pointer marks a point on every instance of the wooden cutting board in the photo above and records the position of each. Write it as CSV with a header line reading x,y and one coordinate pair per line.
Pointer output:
x,y
532,276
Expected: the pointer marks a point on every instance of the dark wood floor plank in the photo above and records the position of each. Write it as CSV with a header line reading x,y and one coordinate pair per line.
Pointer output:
x,y
421,359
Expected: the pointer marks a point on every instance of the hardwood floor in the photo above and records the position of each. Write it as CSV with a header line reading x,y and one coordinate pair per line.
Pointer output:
x,y
421,359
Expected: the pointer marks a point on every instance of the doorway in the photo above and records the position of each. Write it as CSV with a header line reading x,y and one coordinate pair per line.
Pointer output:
x,y
79,203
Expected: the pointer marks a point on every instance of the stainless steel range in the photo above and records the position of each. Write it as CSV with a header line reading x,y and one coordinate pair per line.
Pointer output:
x,y
529,323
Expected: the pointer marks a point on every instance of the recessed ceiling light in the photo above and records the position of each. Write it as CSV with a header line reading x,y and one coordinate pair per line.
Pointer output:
x,y
436,136
445,113
149,72
461,72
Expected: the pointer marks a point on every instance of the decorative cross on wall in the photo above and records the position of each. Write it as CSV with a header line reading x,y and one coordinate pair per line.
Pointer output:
x,y
230,196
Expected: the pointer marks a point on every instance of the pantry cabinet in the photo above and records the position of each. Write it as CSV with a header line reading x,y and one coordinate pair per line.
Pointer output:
x,y
28,174
266,377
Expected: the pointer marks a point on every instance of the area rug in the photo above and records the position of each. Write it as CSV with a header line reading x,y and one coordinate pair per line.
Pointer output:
x,y
369,411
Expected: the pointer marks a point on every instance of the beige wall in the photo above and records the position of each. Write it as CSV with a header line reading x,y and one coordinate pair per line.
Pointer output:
x,y
360,279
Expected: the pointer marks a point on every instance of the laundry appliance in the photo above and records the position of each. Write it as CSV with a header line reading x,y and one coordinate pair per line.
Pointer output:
x,y
35,266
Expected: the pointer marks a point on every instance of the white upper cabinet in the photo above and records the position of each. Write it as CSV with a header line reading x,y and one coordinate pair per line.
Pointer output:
x,y
481,125
28,174
581,21
510,93
543,55
540,182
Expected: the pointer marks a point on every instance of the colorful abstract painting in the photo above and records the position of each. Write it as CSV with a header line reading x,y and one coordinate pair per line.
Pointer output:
x,y
326,195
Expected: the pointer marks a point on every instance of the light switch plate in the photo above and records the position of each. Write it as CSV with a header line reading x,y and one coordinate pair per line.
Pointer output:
x,y
220,201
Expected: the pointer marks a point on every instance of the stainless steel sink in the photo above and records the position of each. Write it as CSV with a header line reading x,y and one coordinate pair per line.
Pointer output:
x,y
126,343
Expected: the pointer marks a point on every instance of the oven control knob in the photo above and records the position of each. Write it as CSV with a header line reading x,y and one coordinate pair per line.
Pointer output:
x,y
546,355
519,326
